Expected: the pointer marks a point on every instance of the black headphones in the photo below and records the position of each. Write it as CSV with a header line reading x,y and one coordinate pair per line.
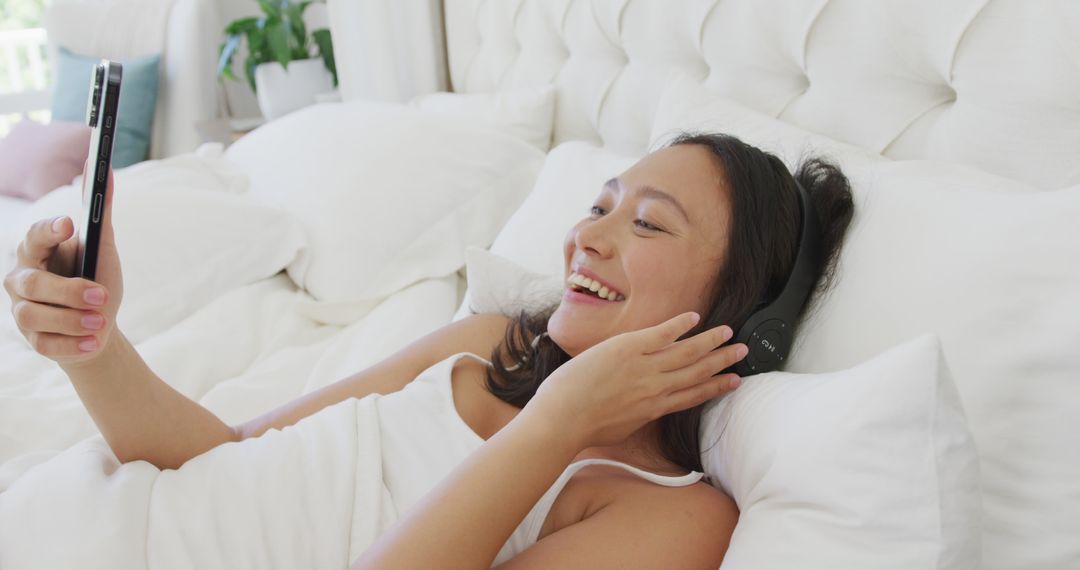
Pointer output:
x,y
769,331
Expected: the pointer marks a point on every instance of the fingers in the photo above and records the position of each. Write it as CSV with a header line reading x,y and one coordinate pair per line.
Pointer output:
x,y
43,287
717,360
57,345
700,393
106,218
39,318
704,369
658,337
689,350
42,239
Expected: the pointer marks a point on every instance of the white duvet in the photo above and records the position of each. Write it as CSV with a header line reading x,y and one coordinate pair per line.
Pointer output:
x,y
308,496
283,500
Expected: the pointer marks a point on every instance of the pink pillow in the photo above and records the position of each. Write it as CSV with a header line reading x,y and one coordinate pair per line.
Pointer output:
x,y
36,159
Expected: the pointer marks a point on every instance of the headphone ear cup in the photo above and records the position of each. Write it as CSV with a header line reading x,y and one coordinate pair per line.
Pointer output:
x,y
769,342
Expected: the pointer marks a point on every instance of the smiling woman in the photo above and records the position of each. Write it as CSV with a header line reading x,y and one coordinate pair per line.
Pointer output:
x,y
706,224
708,227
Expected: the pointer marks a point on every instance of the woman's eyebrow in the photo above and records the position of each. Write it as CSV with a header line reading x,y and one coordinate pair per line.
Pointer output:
x,y
650,192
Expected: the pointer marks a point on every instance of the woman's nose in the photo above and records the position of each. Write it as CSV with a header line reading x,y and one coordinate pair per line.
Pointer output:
x,y
595,236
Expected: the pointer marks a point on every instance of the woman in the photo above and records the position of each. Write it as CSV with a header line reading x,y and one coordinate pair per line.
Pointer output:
x,y
602,396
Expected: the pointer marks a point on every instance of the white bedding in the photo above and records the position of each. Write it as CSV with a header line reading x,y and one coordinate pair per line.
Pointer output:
x,y
223,509
255,348
10,209
243,354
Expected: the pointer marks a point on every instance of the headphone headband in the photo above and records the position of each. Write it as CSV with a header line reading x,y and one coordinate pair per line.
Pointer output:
x,y
769,331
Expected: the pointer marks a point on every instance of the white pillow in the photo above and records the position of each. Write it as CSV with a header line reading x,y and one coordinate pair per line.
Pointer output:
x,y
388,195
991,266
498,285
869,467
526,113
184,237
997,276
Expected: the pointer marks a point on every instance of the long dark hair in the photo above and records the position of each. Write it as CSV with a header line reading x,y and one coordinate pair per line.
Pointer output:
x,y
762,245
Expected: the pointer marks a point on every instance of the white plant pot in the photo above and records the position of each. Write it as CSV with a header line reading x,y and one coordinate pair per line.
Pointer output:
x,y
282,91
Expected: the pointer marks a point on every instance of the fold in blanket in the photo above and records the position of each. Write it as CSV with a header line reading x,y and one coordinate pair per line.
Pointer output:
x,y
309,496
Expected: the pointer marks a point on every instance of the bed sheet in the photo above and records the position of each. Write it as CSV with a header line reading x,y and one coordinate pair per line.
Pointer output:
x,y
10,209
248,351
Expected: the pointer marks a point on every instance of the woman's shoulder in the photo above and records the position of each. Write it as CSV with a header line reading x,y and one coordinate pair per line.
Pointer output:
x,y
612,506
479,334
700,499
600,486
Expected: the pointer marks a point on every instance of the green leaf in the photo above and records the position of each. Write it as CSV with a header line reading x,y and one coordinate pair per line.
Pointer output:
x,y
277,38
294,15
259,43
242,25
270,8
249,71
326,50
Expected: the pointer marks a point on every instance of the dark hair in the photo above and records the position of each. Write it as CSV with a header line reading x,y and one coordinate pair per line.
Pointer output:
x,y
762,244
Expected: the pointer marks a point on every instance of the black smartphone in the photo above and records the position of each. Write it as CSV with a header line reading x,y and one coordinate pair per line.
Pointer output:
x,y
101,108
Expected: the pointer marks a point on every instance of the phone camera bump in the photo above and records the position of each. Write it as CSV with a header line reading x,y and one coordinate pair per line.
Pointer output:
x,y
97,77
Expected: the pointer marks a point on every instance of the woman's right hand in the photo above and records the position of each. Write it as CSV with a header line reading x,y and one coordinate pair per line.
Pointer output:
x,y
66,319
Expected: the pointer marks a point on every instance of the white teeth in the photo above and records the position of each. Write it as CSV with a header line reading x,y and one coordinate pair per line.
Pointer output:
x,y
601,290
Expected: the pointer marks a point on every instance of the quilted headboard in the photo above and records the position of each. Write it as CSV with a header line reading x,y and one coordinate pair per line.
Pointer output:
x,y
990,83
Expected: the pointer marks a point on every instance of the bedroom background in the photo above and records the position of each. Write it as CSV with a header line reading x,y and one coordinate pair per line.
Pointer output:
x,y
930,409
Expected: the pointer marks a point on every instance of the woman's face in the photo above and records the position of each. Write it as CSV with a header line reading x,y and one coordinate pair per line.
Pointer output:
x,y
657,235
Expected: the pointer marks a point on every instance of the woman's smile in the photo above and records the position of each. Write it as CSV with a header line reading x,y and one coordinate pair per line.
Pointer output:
x,y
585,298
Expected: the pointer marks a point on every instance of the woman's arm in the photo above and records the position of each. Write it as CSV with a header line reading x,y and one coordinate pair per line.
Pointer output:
x,y
144,418
141,416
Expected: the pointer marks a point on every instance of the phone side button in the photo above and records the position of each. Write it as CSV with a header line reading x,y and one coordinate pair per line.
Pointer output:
x,y
104,145
101,171
96,211
108,121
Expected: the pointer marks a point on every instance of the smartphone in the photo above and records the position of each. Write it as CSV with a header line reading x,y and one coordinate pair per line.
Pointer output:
x,y
101,108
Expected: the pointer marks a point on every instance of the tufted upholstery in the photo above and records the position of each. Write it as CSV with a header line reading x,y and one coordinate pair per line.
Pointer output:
x,y
991,83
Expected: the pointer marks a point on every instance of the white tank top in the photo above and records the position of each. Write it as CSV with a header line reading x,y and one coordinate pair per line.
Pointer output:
x,y
424,439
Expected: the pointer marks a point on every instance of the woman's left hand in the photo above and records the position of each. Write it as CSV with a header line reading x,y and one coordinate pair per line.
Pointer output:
x,y
609,391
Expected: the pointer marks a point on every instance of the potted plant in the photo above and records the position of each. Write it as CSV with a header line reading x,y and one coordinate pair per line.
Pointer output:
x,y
285,66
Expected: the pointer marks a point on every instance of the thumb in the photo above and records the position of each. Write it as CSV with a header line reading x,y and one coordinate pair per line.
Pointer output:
x,y
106,217
43,239
660,336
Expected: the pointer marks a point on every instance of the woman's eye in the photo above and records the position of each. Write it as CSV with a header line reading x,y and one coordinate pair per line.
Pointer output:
x,y
596,211
645,225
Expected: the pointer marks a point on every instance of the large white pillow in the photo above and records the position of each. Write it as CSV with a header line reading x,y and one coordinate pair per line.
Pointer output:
x,y
997,276
869,467
499,285
388,195
526,113
186,234
989,264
